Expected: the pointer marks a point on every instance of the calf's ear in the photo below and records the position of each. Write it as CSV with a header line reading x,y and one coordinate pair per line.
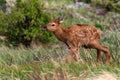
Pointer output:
x,y
60,20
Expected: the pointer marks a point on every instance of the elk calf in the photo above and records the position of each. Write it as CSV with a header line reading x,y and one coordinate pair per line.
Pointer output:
x,y
77,36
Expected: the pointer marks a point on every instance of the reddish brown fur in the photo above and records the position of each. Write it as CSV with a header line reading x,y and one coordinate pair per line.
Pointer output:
x,y
78,35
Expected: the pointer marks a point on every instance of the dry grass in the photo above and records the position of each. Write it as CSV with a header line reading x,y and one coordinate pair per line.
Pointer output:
x,y
40,63
105,76
47,63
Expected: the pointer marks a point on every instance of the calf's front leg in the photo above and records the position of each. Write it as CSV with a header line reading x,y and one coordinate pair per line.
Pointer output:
x,y
73,53
68,59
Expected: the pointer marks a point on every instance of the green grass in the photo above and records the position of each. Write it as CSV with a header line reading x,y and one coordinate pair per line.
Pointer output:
x,y
56,3
81,15
48,63
40,62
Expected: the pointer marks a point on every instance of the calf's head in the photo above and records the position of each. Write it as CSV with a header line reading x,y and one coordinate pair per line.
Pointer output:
x,y
53,25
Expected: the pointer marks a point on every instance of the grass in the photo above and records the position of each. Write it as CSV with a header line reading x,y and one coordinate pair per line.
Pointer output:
x,y
81,14
42,63
48,63
55,3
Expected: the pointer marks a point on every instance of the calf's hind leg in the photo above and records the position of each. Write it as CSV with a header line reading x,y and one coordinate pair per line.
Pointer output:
x,y
98,55
96,45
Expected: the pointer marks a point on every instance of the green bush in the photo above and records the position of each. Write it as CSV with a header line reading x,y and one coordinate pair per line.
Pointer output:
x,y
2,23
100,26
24,23
112,5
2,1
116,7
86,1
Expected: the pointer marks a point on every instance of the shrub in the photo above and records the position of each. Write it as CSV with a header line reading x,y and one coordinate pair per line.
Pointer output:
x,y
24,23
2,1
86,1
100,26
2,23
111,5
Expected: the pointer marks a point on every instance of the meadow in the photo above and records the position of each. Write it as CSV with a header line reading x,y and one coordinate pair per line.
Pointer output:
x,y
47,61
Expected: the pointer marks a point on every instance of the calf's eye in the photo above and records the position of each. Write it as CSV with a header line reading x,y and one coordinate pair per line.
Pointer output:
x,y
53,24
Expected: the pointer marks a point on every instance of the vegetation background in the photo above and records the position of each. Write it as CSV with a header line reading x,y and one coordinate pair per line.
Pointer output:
x,y
28,52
